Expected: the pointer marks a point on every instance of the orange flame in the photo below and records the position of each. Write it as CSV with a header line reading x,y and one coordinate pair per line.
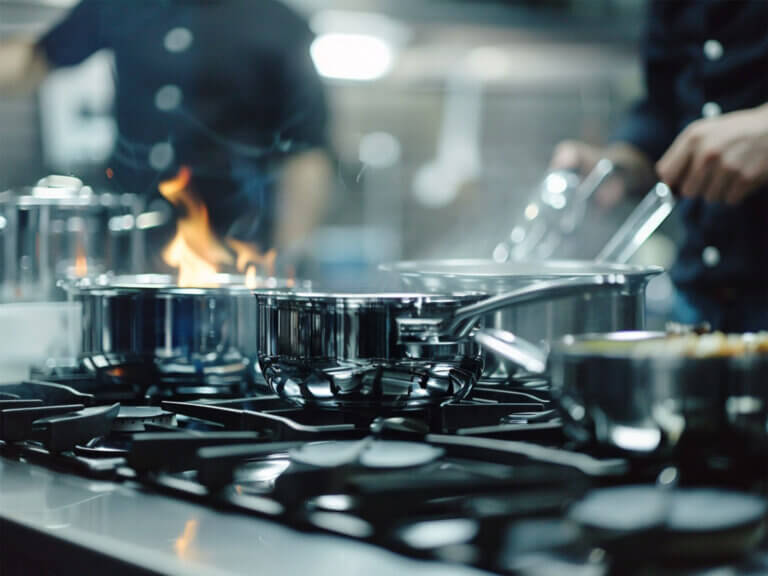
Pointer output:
x,y
197,252
252,262
81,260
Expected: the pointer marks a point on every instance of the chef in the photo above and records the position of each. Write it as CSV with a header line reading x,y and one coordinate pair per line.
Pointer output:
x,y
702,128
224,87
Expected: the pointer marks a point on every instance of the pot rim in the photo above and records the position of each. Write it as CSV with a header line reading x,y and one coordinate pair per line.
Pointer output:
x,y
588,345
362,299
469,268
164,284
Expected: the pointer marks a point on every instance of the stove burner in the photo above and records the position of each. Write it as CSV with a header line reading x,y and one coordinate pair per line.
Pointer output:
x,y
368,452
682,523
136,418
612,512
430,534
378,385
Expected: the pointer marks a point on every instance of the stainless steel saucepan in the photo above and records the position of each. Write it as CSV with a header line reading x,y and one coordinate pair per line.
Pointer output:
x,y
547,320
148,325
540,320
388,349
638,392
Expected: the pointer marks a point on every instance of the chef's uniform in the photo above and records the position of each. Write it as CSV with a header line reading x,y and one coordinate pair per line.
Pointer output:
x,y
226,87
704,58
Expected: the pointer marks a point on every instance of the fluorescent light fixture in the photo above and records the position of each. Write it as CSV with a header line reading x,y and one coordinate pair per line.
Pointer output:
x,y
355,45
351,56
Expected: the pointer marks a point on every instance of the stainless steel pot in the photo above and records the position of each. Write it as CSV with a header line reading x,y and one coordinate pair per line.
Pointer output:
x,y
61,229
610,391
619,308
386,349
147,325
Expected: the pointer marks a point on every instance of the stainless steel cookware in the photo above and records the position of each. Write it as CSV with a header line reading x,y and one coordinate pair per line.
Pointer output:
x,y
543,321
644,220
612,389
62,229
621,307
553,214
148,325
386,349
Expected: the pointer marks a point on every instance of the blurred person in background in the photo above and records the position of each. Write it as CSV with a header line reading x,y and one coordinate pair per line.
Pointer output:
x,y
702,128
225,87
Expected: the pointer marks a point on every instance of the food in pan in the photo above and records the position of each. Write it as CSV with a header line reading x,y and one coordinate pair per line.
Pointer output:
x,y
716,344
690,345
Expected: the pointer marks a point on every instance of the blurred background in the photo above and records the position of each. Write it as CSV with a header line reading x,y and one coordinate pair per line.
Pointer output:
x,y
443,117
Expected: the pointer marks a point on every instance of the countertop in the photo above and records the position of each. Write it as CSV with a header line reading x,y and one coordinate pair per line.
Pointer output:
x,y
172,536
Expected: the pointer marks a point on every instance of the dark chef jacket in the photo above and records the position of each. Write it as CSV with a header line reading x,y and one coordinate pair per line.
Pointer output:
x,y
224,86
704,58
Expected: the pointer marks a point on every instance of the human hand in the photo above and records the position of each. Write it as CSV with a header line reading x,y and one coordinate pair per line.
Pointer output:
x,y
574,155
721,159
634,169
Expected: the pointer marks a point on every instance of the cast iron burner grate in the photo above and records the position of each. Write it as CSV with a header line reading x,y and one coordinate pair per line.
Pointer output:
x,y
341,384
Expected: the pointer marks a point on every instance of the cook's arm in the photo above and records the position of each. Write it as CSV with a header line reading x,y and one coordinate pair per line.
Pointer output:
x,y
304,194
305,178
23,67
25,62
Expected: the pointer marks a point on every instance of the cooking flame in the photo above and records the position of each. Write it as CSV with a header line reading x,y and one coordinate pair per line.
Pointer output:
x,y
197,252
81,260
252,261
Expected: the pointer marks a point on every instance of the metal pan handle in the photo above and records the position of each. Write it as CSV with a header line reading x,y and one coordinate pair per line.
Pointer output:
x,y
638,227
460,323
571,201
521,352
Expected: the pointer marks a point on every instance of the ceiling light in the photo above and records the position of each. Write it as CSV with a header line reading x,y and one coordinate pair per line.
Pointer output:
x,y
351,56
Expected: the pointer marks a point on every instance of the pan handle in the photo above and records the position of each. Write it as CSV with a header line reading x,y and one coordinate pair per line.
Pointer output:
x,y
460,323
571,206
638,227
521,352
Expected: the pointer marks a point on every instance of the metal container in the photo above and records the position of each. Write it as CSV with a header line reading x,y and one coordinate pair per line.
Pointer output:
x,y
621,307
610,392
147,326
385,349
61,229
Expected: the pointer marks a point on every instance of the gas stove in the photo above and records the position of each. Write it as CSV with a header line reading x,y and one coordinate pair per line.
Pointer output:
x,y
112,480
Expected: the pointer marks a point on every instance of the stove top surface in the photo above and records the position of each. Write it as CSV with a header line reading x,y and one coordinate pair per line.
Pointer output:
x,y
488,482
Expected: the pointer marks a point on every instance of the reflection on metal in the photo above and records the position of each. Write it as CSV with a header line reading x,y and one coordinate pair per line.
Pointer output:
x,y
183,545
437,533
635,439
554,212
644,220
